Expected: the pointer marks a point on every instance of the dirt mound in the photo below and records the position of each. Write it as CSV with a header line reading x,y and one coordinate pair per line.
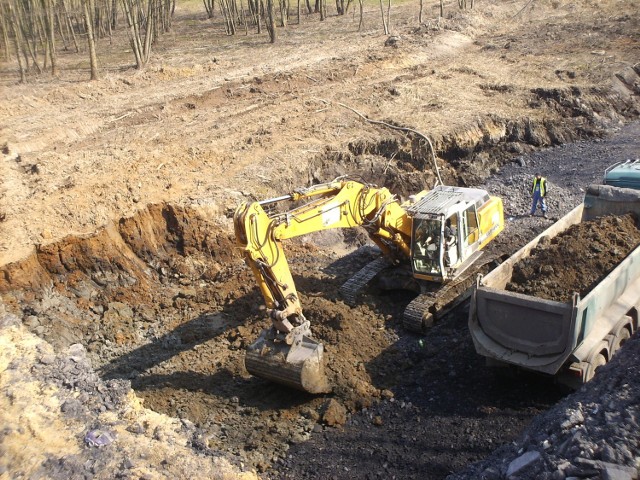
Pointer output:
x,y
352,337
577,259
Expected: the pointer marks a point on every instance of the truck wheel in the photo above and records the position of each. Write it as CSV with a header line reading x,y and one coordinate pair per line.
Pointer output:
x,y
622,336
597,361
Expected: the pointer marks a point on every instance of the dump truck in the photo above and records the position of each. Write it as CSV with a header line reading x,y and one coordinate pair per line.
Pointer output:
x,y
566,340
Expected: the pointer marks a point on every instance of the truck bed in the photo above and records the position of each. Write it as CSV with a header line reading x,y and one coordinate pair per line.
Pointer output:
x,y
543,335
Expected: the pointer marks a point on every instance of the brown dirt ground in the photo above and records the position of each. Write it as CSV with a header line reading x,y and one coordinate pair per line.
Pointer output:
x,y
116,195
577,259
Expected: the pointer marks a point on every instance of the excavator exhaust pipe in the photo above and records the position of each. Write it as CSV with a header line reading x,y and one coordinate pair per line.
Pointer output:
x,y
298,365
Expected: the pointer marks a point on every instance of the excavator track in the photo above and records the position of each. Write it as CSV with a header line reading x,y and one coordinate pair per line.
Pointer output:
x,y
417,316
353,287
428,307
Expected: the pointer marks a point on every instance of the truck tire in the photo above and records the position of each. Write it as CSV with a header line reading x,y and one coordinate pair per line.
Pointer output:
x,y
622,336
596,362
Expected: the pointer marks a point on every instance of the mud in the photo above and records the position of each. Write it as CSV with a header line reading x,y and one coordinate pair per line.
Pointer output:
x,y
577,259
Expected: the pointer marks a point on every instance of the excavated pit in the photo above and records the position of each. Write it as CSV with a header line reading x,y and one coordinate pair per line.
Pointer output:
x,y
164,300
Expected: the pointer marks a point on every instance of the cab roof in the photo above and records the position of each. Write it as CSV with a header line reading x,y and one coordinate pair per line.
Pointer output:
x,y
444,200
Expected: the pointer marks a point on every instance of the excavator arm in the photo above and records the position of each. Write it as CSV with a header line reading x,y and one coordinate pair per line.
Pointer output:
x,y
260,230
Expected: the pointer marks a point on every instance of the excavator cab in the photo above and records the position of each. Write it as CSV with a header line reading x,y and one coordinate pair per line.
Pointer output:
x,y
426,247
450,227
435,247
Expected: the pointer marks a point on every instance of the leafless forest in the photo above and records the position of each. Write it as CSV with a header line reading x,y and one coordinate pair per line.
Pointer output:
x,y
36,33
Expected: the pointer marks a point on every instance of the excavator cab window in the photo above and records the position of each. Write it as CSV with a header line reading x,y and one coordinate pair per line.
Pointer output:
x,y
426,246
471,233
451,254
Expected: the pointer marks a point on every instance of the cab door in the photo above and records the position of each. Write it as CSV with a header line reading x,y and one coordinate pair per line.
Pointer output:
x,y
470,232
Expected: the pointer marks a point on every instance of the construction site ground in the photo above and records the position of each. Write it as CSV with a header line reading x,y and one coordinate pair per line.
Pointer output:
x,y
116,237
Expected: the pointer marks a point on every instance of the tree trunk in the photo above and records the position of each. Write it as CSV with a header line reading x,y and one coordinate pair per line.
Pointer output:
x,y
361,23
23,32
271,21
388,16
48,4
88,22
69,26
146,52
441,8
5,33
420,14
384,21
283,13
16,38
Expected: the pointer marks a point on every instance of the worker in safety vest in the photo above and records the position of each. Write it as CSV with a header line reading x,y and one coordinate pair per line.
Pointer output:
x,y
539,192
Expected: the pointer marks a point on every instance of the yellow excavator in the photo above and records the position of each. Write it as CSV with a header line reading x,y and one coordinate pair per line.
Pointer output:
x,y
435,235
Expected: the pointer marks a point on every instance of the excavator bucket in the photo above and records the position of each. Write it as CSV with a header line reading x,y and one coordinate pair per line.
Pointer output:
x,y
298,365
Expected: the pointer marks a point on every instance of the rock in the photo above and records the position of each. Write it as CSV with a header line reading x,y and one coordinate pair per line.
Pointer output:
x,y
72,407
575,418
32,321
335,414
523,461
387,394
47,359
393,41
8,320
310,413
609,471
377,421
118,309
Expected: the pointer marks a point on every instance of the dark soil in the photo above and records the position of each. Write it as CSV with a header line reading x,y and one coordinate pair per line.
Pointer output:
x,y
448,408
577,259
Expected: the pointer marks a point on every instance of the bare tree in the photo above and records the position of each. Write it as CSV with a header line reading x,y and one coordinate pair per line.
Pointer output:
x,y
385,22
4,26
209,7
146,19
87,6
270,21
47,6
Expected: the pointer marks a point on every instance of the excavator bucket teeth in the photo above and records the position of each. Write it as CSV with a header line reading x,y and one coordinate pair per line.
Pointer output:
x,y
299,365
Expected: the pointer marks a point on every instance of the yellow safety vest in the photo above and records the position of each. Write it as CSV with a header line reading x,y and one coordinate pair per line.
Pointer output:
x,y
543,185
